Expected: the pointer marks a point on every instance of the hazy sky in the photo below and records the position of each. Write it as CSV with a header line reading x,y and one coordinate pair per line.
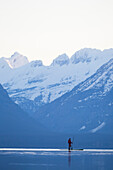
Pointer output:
x,y
43,29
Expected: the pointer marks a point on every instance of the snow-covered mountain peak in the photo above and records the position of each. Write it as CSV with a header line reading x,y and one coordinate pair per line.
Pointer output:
x,y
108,51
3,63
61,60
4,66
16,60
36,63
15,54
102,79
4,70
85,55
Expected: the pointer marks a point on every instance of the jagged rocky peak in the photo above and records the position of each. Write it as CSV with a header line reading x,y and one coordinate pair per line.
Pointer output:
x,y
85,55
17,60
61,60
36,63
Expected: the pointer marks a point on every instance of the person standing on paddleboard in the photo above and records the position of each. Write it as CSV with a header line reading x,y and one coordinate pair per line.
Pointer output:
x,y
69,142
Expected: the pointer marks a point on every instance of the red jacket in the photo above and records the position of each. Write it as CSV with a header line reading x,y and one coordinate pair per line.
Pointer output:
x,y
69,141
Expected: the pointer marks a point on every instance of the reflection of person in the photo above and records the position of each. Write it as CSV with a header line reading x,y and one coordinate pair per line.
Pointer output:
x,y
69,159
69,142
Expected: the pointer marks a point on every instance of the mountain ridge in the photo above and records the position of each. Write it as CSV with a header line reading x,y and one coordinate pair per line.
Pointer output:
x,y
34,84
83,109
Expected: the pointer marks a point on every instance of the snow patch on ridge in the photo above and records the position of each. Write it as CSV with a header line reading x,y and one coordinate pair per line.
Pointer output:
x,y
83,127
98,127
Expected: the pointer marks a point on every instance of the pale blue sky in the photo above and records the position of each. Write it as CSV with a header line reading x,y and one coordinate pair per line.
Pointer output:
x,y
43,29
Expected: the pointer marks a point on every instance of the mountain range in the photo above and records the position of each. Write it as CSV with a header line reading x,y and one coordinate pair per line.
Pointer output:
x,y
32,85
71,96
88,108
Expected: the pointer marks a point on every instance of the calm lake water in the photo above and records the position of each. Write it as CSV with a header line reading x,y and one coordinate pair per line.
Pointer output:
x,y
55,159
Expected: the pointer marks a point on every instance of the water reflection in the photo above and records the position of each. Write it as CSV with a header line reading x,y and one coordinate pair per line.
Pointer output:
x,y
56,160
69,158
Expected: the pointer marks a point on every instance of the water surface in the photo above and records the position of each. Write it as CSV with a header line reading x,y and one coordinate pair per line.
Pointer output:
x,y
55,159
